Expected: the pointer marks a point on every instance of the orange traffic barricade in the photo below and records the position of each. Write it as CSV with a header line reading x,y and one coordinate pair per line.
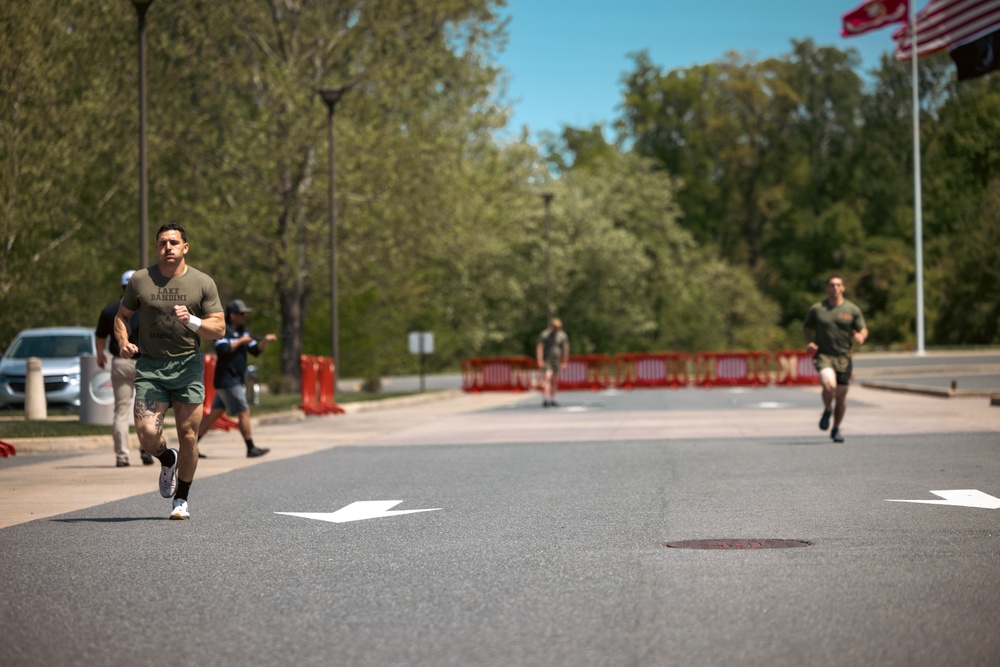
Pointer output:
x,y
732,369
327,392
652,369
585,371
309,379
223,423
497,374
317,386
794,367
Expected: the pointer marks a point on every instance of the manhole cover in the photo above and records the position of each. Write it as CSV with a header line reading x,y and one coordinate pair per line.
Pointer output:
x,y
737,544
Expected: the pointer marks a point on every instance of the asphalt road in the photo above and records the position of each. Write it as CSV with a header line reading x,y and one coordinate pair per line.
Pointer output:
x,y
543,544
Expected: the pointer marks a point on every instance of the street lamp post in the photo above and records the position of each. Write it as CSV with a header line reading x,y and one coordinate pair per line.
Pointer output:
x,y
547,198
140,8
331,97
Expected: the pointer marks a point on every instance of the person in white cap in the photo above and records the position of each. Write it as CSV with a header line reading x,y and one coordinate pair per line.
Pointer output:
x,y
122,377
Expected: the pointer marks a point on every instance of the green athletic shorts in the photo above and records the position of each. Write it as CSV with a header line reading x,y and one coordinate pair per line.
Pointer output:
x,y
842,365
553,364
173,380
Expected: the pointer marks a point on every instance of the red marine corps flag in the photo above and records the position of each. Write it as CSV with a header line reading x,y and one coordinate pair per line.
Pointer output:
x,y
873,14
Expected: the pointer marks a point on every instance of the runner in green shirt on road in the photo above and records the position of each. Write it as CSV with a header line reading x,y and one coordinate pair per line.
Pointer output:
x,y
831,328
178,306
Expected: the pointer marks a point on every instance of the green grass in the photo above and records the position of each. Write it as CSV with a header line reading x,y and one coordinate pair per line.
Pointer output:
x,y
12,428
64,422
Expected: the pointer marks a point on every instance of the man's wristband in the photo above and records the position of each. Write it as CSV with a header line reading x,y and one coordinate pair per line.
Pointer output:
x,y
194,323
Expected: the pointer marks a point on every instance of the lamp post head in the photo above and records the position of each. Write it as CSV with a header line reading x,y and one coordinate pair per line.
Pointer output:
x,y
331,96
142,5
547,197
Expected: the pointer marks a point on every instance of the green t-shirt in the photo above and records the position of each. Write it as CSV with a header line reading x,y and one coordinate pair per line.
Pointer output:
x,y
554,344
834,326
153,295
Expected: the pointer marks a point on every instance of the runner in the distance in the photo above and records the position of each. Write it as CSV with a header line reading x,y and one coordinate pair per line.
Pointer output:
x,y
551,353
837,324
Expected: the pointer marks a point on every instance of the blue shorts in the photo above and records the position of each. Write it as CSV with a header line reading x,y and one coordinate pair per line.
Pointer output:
x,y
231,399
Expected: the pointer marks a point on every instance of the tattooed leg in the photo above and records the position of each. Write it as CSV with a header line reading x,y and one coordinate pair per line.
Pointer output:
x,y
149,425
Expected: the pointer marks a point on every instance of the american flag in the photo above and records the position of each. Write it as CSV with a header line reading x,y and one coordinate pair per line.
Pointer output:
x,y
946,24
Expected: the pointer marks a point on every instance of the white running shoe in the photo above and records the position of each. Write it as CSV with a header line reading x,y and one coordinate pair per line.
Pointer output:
x,y
180,510
168,478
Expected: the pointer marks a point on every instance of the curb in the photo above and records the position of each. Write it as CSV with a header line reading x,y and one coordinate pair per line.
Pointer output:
x,y
95,442
361,406
85,443
939,392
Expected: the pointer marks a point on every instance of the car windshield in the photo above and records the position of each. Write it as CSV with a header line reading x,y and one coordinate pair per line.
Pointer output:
x,y
50,347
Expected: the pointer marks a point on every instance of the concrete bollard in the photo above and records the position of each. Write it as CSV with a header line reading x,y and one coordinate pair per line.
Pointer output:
x,y
35,406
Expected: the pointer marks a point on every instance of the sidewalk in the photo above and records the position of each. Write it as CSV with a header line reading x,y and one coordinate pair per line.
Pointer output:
x,y
103,442
49,487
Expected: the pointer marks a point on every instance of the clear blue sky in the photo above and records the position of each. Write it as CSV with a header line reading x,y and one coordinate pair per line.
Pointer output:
x,y
565,60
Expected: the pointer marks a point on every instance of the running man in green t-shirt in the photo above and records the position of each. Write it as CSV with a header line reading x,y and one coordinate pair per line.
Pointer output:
x,y
178,305
831,328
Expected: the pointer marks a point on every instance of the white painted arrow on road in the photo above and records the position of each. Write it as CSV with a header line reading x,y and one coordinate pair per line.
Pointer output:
x,y
959,498
359,511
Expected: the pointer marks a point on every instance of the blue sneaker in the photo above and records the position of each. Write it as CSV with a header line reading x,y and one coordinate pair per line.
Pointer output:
x,y
168,478
824,421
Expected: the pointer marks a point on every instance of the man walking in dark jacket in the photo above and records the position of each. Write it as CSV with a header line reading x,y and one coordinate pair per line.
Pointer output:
x,y
230,373
122,376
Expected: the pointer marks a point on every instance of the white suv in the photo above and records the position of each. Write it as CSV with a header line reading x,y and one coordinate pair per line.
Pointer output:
x,y
60,349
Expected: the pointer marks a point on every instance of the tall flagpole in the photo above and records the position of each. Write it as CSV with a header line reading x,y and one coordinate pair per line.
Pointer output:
x,y
917,206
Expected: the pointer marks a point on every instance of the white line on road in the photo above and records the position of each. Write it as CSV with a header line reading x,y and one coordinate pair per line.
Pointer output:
x,y
359,511
959,498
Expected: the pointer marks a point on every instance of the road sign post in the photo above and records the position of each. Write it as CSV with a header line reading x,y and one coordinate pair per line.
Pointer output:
x,y
422,343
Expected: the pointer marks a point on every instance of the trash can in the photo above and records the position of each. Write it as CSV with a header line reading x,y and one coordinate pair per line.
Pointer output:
x,y
97,396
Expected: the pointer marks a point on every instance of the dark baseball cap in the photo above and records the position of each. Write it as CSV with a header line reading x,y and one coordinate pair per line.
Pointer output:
x,y
237,306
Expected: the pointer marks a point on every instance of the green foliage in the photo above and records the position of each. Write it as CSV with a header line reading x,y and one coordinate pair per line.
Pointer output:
x,y
794,169
637,280
970,276
730,192
62,189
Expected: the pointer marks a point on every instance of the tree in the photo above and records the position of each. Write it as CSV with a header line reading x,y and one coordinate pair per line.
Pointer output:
x,y
677,294
246,140
65,178
793,169
964,228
